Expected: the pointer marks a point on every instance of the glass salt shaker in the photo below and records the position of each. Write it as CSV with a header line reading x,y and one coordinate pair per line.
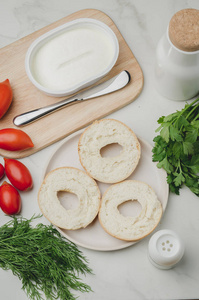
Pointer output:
x,y
177,57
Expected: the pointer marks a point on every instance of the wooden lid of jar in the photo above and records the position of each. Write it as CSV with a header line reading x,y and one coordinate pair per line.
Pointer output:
x,y
184,30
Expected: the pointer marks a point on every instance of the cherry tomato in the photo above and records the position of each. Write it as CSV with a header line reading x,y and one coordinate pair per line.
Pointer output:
x,y
5,97
14,139
2,171
10,200
18,174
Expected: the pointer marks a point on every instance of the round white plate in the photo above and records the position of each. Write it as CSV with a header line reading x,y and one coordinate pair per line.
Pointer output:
x,y
93,236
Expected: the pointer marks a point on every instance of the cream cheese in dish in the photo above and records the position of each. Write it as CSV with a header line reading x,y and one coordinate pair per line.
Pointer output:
x,y
73,56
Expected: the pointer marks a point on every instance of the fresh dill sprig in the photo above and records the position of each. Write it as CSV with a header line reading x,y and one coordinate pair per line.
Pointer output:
x,y
43,259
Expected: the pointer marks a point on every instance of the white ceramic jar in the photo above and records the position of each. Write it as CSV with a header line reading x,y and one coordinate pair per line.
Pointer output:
x,y
177,61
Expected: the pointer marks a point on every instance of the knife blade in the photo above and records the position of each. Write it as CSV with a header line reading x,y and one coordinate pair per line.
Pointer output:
x,y
114,84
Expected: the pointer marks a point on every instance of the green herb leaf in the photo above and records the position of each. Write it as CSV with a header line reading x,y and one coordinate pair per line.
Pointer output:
x,y
177,150
195,124
191,136
193,163
165,165
165,133
196,147
188,148
176,147
179,179
170,117
174,134
43,259
180,122
161,119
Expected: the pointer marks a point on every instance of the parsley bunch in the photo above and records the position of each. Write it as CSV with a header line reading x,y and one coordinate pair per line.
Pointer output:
x,y
176,148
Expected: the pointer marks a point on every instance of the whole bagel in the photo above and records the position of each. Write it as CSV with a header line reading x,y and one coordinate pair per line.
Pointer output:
x,y
108,169
74,181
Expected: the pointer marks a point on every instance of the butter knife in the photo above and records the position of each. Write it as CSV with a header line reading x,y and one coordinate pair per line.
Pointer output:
x,y
109,86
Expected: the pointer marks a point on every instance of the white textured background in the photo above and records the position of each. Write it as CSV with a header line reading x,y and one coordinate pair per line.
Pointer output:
x,y
126,274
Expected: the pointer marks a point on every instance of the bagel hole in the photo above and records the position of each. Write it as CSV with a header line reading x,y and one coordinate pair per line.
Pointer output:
x,y
111,150
68,200
130,208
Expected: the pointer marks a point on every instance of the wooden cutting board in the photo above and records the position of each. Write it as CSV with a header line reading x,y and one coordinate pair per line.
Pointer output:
x,y
58,125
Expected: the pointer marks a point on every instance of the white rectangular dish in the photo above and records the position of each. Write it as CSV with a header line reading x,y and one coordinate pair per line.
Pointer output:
x,y
71,57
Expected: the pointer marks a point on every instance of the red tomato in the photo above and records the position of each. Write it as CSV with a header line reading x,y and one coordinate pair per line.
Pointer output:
x,y
18,174
14,139
10,200
5,97
2,171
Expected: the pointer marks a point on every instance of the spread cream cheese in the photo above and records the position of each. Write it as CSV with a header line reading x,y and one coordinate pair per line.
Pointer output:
x,y
73,56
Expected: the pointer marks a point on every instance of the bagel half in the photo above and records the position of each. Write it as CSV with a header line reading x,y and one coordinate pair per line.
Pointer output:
x,y
125,227
74,181
108,169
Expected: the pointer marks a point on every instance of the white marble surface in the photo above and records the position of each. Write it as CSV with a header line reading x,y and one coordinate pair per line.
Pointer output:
x,y
125,274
